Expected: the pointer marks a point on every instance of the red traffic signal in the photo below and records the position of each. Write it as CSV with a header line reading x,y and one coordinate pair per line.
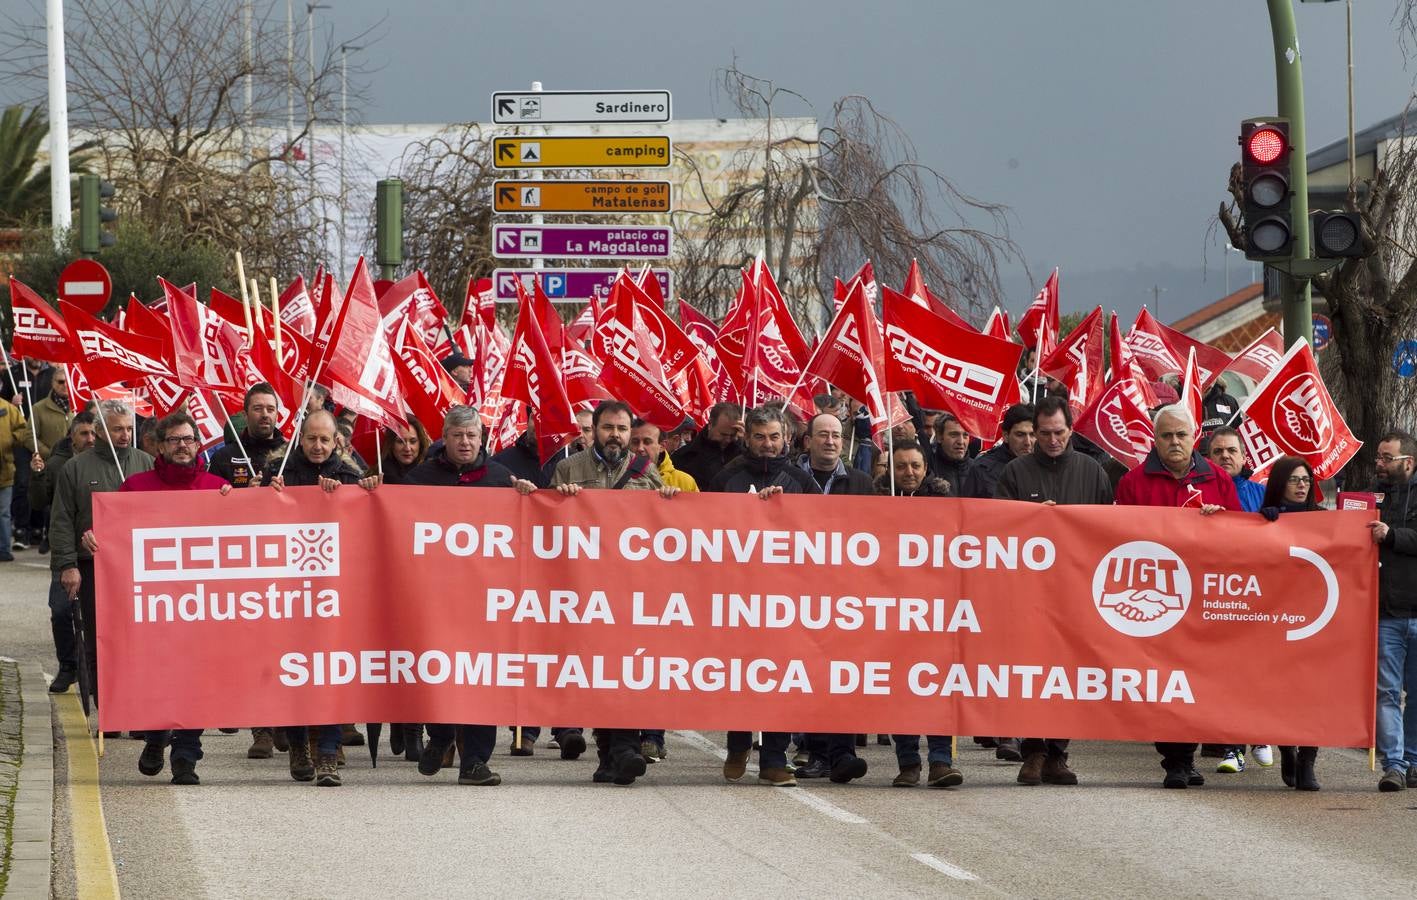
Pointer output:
x,y
1266,145
1266,197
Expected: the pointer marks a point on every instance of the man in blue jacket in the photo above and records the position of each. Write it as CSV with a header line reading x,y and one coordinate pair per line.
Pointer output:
x,y
1227,453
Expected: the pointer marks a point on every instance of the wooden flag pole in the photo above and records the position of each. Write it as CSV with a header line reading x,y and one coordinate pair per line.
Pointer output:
x,y
275,316
245,295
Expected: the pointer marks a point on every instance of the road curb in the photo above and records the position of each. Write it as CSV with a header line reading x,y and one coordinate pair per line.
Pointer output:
x,y
32,844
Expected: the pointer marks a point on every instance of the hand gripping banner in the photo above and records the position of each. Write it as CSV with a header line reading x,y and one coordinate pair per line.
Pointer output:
x,y
823,614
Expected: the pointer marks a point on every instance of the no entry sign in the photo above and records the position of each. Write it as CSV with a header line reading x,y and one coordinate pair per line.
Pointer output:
x,y
85,283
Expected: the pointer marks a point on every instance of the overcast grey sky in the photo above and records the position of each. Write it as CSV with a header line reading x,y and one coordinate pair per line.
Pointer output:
x,y
1108,127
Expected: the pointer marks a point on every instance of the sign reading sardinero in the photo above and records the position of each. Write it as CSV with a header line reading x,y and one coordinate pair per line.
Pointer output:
x,y
712,611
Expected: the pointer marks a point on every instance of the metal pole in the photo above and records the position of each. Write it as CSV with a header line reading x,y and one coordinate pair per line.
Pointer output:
x,y
289,78
246,108
61,215
343,138
536,175
1352,161
1289,83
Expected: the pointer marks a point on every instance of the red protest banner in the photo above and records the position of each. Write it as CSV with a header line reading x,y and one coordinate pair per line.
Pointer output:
x,y
822,614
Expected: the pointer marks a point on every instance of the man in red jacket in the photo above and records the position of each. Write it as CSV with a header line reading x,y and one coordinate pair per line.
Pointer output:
x,y
1175,475
177,468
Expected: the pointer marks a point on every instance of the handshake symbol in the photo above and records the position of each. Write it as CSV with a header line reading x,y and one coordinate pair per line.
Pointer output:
x,y
1143,605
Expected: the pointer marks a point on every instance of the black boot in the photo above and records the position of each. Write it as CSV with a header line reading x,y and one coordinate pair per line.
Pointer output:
x,y
396,738
1286,765
412,741
1304,779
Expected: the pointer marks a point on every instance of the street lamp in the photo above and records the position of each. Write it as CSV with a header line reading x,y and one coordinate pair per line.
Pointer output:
x,y
310,100
1352,170
343,138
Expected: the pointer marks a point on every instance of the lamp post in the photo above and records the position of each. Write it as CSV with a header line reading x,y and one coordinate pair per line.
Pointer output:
x,y
343,143
310,104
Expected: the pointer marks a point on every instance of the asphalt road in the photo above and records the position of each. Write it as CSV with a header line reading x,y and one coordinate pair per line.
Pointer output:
x,y
249,830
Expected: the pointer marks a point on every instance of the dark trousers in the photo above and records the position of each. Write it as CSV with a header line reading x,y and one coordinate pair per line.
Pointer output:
x,y
327,741
654,735
1046,746
90,636
1175,756
907,749
478,741
533,732
61,623
773,754
20,499
612,743
830,747
186,742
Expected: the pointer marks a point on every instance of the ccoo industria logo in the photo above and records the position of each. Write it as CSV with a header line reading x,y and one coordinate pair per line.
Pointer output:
x,y
300,550
1142,588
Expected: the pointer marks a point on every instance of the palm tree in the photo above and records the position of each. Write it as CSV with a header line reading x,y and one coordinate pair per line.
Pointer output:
x,y
24,189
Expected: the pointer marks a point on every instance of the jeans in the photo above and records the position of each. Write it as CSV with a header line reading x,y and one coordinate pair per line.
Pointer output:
x,y
478,741
773,754
532,733
17,503
327,743
61,623
5,494
907,749
1397,671
186,742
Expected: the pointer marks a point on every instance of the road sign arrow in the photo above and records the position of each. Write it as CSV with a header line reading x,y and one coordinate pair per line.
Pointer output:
x,y
506,240
507,195
506,106
507,284
506,152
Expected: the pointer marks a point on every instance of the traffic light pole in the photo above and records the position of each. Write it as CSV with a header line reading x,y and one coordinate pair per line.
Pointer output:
x,y
1297,304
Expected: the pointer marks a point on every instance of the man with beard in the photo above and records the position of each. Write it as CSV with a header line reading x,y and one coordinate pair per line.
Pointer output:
x,y
100,469
61,609
715,446
461,462
260,438
608,465
1395,533
1018,441
763,469
177,468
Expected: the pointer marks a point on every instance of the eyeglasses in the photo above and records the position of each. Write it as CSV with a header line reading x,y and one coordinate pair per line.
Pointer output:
x,y
180,441
1388,458
1300,479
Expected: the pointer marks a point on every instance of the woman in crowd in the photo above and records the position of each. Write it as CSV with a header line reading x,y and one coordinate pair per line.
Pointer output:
x,y
403,449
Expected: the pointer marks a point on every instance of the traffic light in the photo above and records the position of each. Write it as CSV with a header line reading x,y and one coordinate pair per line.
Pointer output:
x,y
92,192
1336,234
388,224
1264,178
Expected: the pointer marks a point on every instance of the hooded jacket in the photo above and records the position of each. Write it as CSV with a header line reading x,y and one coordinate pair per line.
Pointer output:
x,y
168,476
439,471
750,472
1152,484
984,472
1069,478
1251,494
1397,554
91,472
231,465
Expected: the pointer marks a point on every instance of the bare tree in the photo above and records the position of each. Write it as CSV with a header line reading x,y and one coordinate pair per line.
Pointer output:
x,y
1372,299
818,205
189,106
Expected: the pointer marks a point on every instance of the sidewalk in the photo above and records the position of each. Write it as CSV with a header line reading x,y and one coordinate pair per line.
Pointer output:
x,y
26,780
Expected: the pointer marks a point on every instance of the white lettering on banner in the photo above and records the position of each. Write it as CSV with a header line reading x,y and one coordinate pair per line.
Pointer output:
x,y
623,346
202,605
101,346
34,326
1264,355
1260,450
303,550
217,369
955,375
527,360
1084,683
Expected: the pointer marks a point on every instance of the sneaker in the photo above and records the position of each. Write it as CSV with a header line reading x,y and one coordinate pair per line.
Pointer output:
x,y
478,774
63,680
1056,771
262,744
651,751
800,759
943,775
735,765
430,761
628,767
150,761
522,749
572,745
18,544
1008,749
777,777
1263,755
1392,780
553,744
909,777
327,771
815,768
1232,763
184,771
302,768
848,768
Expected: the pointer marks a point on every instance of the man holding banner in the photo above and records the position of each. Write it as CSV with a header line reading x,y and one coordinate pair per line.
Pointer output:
x,y
1395,533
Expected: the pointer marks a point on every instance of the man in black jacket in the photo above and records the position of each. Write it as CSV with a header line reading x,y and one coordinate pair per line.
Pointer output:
x,y
260,438
1053,474
949,456
714,447
983,475
1395,533
1219,409
461,463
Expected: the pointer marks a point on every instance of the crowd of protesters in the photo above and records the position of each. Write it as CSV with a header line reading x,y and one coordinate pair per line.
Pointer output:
x,y
770,450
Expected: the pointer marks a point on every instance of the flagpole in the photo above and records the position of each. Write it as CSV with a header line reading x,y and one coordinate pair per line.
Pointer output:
x,y
235,434
300,417
1037,361
103,420
890,454
378,451
14,388
29,400
245,294
275,317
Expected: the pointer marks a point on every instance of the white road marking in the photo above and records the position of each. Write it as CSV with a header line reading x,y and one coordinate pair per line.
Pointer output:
x,y
939,865
825,807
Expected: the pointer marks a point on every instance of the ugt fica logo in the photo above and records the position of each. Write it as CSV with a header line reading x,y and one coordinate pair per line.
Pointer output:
x,y
297,550
1141,588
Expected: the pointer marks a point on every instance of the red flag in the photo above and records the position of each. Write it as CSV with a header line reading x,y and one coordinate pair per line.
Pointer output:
x,y
205,346
851,356
1162,351
534,378
428,389
1039,325
297,311
1191,391
1118,424
632,368
583,326
578,371
40,333
108,354
1126,369
967,373
1261,357
672,346
647,282
358,356
920,295
1292,407
1077,361
329,308
998,325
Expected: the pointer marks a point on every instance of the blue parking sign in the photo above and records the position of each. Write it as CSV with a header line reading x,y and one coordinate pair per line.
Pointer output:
x,y
1404,359
554,284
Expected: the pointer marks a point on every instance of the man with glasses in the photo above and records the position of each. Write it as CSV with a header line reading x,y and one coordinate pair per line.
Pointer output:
x,y
1395,533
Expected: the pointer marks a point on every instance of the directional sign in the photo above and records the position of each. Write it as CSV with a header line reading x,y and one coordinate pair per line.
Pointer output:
x,y
1323,331
582,241
85,283
619,152
566,285
1404,359
579,107
581,196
